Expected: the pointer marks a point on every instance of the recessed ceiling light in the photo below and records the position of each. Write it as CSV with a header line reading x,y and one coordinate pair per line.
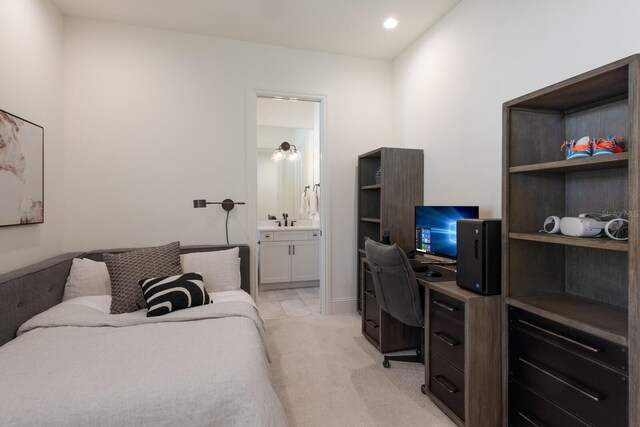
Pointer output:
x,y
390,23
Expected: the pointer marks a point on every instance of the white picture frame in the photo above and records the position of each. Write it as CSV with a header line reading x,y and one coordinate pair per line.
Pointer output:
x,y
21,171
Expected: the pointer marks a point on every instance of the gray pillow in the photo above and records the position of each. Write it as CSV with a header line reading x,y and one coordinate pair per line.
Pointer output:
x,y
125,270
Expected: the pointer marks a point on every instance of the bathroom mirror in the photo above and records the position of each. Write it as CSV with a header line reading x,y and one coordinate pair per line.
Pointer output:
x,y
281,184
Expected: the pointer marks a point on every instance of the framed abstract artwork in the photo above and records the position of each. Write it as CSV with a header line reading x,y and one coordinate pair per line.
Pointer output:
x,y
21,171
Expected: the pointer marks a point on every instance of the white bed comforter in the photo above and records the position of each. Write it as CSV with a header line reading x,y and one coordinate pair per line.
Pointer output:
x,y
75,365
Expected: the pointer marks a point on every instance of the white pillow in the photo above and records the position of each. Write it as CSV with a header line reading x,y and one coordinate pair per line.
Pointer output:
x,y
87,277
220,269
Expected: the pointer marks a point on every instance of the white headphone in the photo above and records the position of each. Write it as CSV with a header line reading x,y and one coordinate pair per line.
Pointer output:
x,y
551,225
617,229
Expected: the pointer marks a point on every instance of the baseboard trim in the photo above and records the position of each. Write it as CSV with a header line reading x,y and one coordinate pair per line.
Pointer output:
x,y
289,285
343,305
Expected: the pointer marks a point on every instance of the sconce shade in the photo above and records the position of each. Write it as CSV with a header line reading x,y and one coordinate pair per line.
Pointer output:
x,y
227,204
281,151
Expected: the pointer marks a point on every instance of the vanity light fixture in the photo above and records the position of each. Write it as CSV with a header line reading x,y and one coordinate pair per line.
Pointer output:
x,y
281,152
390,23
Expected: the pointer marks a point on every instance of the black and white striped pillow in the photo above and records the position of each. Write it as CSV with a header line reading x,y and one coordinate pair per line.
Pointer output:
x,y
166,294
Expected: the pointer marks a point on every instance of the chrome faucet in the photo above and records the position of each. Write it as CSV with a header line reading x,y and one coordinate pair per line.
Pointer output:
x,y
286,219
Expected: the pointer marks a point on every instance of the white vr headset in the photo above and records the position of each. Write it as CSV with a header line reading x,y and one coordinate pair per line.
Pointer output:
x,y
585,226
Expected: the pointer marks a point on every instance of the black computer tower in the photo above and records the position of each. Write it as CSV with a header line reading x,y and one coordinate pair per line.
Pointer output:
x,y
479,255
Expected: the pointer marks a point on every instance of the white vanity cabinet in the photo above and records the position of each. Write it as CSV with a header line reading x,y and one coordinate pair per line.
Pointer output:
x,y
305,260
289,256
275,262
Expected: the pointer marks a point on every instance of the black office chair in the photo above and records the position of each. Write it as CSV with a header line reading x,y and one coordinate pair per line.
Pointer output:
x,y
397,291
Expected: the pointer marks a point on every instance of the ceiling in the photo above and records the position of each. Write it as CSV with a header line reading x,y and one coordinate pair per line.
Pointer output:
x,y
351,27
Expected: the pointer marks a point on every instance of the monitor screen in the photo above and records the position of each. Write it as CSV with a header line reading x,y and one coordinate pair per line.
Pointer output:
x,y
436,228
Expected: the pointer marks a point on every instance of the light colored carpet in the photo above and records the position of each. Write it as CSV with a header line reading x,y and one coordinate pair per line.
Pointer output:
x,y
327,374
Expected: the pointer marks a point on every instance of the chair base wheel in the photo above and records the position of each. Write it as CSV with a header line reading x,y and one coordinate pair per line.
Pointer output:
x,y
423,388
386,363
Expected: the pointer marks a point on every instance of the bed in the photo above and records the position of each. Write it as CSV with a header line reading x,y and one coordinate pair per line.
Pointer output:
x,y
74,364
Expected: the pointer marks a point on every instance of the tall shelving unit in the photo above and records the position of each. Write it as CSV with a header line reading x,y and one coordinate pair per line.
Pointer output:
x,y
580,287
388,204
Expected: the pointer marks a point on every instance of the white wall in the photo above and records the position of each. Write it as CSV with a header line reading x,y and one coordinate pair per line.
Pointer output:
x,y
449,86
154,119
31,88
285,113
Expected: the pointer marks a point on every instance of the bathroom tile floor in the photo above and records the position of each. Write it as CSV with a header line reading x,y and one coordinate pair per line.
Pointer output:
x,y
289,302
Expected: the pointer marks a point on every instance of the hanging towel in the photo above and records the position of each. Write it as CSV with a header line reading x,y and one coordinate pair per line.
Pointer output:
x,y
313,204
304,205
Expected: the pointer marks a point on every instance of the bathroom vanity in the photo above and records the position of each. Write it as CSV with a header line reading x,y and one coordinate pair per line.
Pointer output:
x,y
289,257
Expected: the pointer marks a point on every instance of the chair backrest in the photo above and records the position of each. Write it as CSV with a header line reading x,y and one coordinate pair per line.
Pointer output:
x,y
396,288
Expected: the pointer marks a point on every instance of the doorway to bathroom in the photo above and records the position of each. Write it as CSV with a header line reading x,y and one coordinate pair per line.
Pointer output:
x,y
290,209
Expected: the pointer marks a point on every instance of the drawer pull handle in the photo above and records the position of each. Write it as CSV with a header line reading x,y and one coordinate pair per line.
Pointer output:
x,y
444,305
446,339
597,397
372,324
530,420
562,337
445,383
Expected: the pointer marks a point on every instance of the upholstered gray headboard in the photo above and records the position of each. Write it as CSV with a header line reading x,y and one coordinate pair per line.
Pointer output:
x,y
38,287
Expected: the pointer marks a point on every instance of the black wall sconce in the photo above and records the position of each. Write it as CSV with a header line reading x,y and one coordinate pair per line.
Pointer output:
x,y
283,149
227,205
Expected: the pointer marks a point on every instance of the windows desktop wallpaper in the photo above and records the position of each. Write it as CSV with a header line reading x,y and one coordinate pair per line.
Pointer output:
x,y
436,228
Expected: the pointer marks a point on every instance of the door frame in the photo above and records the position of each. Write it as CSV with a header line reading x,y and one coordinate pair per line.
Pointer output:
x,y
325,193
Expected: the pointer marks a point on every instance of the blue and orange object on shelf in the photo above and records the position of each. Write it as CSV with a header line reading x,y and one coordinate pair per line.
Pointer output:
x,y
585,147
606,146
577,150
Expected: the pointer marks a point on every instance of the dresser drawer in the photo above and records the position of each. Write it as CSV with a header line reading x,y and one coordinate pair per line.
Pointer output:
x,y
368,281
266,236
529,409
446,338
446,305
283,236
591,391
595,348
371,317
447,384
313,235
372,329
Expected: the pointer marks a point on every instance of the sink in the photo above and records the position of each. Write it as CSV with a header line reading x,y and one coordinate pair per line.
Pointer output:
x,y
302,224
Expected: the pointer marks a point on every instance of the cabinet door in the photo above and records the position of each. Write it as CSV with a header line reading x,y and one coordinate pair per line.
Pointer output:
x,y
305,264
275,262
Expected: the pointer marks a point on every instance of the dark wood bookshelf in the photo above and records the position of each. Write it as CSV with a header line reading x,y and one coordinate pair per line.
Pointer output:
x,y
589,285
386,204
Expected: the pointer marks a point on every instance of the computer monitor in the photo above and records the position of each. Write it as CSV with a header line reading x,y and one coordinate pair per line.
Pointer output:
x,y
435,232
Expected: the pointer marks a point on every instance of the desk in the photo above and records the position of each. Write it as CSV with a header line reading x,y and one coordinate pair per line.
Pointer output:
x,y
384,332
462,353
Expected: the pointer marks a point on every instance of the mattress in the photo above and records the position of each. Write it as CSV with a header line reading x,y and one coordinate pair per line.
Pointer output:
x,y
77,365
